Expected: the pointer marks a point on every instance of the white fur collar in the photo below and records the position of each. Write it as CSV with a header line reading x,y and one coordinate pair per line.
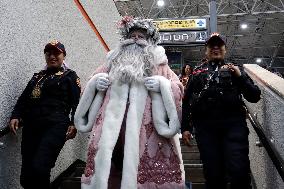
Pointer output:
x,y
160,55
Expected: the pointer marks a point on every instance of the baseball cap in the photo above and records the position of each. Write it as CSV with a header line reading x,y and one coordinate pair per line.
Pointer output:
x,y
215,39
54,44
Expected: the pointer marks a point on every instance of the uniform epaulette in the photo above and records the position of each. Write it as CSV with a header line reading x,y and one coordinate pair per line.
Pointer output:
x,y
38,74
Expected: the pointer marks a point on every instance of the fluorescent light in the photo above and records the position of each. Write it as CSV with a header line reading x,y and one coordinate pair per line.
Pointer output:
x,y
258,60
160,3
244,26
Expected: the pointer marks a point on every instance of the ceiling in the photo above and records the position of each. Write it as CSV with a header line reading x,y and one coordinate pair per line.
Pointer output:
x,y
264,37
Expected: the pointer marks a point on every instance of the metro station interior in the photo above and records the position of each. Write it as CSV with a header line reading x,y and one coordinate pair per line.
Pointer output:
x,y
253,31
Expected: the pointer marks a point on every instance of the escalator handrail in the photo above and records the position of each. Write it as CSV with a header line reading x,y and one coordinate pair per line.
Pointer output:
x,y
274,155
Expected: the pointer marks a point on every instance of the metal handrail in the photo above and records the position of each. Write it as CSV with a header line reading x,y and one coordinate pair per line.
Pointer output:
x,y
274,155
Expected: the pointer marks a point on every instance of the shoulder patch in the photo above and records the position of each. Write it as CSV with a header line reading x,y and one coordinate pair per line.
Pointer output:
x,y
78,82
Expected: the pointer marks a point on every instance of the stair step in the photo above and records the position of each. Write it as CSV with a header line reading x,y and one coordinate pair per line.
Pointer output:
x,y
194,173
78,172
70,183
190,156
198,185
189,148
191,161
201,185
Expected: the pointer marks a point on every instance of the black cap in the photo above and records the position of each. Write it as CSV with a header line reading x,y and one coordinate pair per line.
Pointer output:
x,y
54,44
215,39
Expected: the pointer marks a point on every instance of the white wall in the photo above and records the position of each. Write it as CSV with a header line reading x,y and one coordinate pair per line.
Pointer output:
x,y
26,26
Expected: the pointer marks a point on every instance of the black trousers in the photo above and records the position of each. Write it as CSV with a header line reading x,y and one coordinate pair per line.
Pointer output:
x,y
224,150
41,144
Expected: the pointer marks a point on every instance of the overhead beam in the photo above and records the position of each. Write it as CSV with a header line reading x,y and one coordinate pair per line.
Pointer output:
x,y
173,7
151,8
184,8
213,16
239,14
282,3
257,47
142,9
246,6
255,34
277,49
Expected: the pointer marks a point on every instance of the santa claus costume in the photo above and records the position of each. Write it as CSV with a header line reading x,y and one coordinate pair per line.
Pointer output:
x,y
132,107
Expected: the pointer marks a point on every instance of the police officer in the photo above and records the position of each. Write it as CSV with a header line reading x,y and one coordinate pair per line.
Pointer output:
x,y
213,105
43,108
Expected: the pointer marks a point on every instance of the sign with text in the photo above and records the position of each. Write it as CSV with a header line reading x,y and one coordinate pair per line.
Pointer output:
x,y
185,24
183,38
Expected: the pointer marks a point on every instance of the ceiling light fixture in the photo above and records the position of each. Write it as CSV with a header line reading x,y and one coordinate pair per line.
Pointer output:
x,y
244,26
258,60
160,3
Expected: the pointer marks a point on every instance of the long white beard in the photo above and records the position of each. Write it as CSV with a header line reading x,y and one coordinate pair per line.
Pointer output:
x,y
132,61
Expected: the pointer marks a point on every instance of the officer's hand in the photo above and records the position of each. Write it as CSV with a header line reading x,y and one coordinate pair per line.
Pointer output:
x,y
102,83
71,132
14,125
152,84
234,69
186,137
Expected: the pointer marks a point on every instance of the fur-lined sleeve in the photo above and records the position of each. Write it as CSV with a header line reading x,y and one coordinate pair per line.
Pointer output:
x,y
90,102
176,85
166,105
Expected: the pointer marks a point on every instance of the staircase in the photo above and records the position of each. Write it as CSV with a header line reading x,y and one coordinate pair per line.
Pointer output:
x,y
71,177
193,166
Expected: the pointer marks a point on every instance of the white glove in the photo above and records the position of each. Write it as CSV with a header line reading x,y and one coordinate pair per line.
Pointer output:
x,y
152,84
102,83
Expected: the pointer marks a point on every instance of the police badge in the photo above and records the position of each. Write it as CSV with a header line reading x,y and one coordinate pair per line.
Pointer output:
x,y
36,92
59,73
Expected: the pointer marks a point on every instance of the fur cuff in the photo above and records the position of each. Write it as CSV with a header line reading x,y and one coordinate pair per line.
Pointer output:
x,y
165,116
90,104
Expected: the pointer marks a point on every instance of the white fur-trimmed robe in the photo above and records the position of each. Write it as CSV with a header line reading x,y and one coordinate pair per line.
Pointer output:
x,y
152,156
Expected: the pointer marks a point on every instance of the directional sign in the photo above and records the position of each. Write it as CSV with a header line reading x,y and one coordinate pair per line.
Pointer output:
x,y
185,24
183,38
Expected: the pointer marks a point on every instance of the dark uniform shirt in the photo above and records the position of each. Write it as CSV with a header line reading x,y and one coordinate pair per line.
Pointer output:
x,y
216,95
50,95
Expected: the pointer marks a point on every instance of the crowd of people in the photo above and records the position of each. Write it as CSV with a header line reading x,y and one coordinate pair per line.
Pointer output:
x,y
134,107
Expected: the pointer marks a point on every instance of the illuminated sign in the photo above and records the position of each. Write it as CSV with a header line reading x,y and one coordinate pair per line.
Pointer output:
x,y
185,24
183,38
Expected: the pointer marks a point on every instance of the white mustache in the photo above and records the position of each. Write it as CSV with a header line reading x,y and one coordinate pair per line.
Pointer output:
x,y
140,42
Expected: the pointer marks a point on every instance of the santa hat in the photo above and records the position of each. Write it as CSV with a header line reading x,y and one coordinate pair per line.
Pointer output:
x,y
128,24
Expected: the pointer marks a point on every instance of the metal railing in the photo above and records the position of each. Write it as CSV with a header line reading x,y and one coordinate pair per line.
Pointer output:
x,y
4,131
274,155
